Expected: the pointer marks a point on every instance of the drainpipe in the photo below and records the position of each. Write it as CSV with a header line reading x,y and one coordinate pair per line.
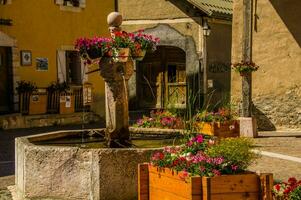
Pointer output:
x,y
116,5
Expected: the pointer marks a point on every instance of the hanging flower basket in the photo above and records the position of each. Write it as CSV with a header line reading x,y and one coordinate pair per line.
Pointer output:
x,y
245,68
123,55
94,53
139,55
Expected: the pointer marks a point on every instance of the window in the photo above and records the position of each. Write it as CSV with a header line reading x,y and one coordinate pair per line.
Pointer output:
x,y
3,2
74,3
70,67
71,5
73,68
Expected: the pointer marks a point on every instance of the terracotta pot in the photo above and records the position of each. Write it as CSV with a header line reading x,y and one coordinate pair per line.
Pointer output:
x,y
123,55
139,55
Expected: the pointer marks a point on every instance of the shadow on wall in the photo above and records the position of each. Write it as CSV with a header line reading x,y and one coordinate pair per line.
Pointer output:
x,y
263,122
289,12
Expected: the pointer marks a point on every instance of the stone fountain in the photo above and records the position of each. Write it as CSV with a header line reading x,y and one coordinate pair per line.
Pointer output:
x,y
72,172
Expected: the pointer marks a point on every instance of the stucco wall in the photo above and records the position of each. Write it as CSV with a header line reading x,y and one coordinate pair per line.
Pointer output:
x,y
276,49
43,28
145,9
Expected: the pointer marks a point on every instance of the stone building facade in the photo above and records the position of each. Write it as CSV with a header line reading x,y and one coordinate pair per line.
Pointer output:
x,y
175,72
276,49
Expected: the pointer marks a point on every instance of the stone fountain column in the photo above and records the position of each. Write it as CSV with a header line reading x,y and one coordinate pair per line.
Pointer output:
x,y
116,76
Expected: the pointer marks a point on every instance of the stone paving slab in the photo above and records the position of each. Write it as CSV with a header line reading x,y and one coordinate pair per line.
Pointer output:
x,y
280,168
288,144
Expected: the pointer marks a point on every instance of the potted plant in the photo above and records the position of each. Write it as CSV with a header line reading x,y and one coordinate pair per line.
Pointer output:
x,y
222,123
245,67
25,90
122,44
92,49
60,98
203,169
143,43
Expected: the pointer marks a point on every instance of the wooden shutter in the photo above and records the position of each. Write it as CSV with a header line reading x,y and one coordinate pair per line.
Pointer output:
x,y
61,66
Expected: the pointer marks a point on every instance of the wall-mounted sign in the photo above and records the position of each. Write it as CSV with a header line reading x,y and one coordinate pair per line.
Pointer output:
x,y
6,22
42,64
26,58
219,67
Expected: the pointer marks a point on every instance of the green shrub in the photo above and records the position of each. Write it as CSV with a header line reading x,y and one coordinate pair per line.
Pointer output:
x,y
295,194
238,151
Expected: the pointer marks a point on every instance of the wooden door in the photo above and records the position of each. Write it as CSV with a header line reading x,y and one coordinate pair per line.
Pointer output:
x,y
175,85
161,80
5,83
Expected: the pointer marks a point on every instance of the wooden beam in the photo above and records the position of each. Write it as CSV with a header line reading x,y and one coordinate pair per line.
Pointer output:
x,y
247,57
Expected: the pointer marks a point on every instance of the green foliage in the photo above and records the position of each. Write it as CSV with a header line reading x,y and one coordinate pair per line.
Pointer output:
x,y
295,194
204,156
237,150
58,87
245,67
26,87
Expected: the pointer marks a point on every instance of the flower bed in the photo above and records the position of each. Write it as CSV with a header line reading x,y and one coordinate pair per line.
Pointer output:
x,y
203,168
160,119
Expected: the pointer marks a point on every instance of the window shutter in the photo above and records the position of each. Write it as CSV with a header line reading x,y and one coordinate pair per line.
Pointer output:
x,y
61,66
82,3
84,70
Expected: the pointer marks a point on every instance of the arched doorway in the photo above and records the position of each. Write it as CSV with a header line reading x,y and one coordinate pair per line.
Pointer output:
x,y
161,79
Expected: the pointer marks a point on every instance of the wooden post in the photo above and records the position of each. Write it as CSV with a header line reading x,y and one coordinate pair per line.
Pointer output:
x,y
143,182
247,57
266,185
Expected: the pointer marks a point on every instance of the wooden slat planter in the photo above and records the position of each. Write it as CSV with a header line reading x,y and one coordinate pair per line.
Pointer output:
x,y
165,184
223,130
38,103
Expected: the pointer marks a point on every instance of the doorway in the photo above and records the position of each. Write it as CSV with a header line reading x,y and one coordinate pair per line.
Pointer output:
x,y
161,79
6,84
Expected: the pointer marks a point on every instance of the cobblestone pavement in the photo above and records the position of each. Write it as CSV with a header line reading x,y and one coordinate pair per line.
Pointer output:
x,y
286,143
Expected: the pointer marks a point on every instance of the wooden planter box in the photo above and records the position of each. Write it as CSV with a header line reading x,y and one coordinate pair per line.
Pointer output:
x,y
223,130
165,184
66,103
38,103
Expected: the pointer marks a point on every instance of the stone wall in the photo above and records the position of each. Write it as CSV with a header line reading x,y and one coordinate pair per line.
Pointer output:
x,y
276,49
282,111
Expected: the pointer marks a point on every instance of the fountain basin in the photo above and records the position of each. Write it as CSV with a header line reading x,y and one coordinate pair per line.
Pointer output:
x,y
70,172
